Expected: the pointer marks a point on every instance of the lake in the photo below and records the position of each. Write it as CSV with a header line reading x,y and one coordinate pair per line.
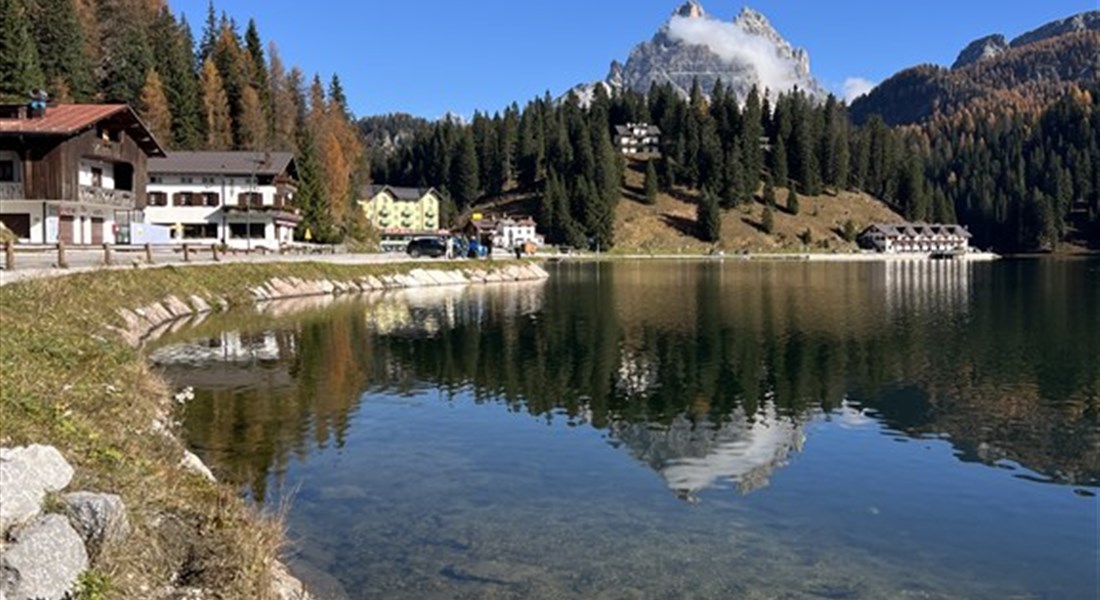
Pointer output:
x,y
672,430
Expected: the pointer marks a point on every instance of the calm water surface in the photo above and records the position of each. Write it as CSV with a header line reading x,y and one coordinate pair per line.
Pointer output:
x,y
673,430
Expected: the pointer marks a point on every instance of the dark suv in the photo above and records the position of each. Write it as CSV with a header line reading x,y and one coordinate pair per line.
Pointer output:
x,y
433,247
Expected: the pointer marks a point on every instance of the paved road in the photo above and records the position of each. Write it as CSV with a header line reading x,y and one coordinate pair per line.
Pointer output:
x,y
38,266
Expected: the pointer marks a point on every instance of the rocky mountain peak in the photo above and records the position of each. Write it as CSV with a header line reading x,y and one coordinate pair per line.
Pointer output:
x,y
756,23
1085,21
690,10
990,46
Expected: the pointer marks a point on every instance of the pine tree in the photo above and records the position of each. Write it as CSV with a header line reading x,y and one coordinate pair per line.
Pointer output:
x,y
127,55
60,44
154,109
609,176
172,51
336,94
234,68
734,187
769,194
20,71
768,220
708,217
219,128
650,183
464,180
779,162
260,78
284,107
253,123
792,201
210,32
752,129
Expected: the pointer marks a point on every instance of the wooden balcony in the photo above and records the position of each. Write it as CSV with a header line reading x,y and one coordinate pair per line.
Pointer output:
x,y
114,198
11,190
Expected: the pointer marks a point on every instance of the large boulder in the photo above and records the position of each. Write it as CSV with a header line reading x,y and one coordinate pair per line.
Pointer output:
x,y
42,561
99,518
26,475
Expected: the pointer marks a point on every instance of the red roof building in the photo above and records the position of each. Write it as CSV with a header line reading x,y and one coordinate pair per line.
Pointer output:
x,y
72,172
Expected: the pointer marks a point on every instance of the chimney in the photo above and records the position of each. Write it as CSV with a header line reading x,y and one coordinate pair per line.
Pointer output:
x,y
36,108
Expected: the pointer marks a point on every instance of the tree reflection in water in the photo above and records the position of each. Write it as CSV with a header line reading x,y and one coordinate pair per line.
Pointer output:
x,y
706,372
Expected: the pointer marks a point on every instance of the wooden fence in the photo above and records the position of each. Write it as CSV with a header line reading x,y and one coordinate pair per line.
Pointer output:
x,y
59,255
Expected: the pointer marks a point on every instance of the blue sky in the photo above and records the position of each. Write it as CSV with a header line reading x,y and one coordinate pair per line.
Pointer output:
x,y
428,57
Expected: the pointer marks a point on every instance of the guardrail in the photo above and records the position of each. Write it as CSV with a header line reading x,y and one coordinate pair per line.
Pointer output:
x,y
62,255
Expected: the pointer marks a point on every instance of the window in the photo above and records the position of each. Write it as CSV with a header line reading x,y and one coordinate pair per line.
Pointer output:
x,y
155,179
97,177
209,180
201,231
158,199
191,199
250,199
187,180
247,230
7,170
212,199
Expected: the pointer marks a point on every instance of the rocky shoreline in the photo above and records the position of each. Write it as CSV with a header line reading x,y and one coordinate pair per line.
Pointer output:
x,y
50,538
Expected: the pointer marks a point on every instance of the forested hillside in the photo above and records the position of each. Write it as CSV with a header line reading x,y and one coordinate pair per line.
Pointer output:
x,y
714,144
1007,146
227,91
1027,79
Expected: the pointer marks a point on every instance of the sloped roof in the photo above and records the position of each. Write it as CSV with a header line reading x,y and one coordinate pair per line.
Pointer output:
x,y
915,229
69,119
629,129
224,163
401,193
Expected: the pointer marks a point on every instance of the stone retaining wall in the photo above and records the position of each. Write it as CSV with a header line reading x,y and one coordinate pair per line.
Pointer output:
x,y
140,322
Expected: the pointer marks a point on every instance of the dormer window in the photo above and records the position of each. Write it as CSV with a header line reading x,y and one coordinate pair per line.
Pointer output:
x,y
108,135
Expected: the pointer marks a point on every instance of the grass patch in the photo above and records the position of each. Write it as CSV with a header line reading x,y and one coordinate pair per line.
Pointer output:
x,y
67,381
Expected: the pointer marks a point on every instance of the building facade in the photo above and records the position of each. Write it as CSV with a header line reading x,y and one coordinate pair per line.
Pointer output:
x,y
401,214
243,200
72,173
505,233
916,238
638,139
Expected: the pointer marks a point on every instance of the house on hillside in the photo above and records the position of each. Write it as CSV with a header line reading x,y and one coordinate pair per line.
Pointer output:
x,y
506,232
242,199
72,173
634,139
934,238
402,213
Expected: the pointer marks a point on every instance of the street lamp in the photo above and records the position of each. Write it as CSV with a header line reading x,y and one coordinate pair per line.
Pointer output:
x,y
224,201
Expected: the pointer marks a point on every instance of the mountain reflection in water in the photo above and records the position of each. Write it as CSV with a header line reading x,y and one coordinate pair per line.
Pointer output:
x,y
706,373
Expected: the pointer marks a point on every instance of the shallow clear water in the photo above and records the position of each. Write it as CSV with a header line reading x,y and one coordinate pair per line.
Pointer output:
x,y
657,430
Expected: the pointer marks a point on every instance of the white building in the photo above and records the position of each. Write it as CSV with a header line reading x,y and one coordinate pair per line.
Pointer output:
x,y
71,173
241,199
911,238
638,138
514,232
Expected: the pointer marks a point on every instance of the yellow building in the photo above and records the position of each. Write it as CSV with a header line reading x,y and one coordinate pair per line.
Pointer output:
x,y
401,210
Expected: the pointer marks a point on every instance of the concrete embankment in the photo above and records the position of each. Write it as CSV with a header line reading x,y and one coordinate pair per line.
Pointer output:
x,y
141,321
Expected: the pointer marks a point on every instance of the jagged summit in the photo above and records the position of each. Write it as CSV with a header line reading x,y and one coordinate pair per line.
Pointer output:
x,y
693,45
992,46
690,10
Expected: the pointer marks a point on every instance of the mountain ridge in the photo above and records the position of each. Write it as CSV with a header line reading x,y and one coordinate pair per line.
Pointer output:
x,y
695,46
1027,73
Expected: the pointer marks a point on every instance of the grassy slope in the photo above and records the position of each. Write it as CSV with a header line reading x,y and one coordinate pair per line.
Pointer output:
x,y
66,380
669,225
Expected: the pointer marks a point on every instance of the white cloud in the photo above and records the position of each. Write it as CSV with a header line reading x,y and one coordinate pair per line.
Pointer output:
x,y
734,46
854,87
